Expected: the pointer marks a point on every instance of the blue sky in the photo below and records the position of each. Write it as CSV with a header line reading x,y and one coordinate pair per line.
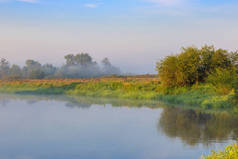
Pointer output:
x,y
134,34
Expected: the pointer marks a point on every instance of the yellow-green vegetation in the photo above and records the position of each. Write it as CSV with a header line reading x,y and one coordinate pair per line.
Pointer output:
x,y
231,152
203,95
205,78
209,71
193,66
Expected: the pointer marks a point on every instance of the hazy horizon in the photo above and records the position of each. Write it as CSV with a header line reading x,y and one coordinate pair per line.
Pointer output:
x,y
132,34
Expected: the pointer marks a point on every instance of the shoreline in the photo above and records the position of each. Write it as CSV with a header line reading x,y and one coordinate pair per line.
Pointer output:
x,y
200,96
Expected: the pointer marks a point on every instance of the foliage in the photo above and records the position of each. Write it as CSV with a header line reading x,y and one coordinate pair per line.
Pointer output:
x,y
76,66
223,79
224,101
4,68
14,73
205,77
108,68
146,88
168,71
83,59
194,65
231,152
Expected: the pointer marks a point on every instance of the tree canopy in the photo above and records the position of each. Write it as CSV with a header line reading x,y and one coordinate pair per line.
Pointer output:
x,y
80,65
194,65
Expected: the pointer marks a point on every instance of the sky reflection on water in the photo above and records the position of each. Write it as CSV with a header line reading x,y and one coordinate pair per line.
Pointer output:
x,y
34,127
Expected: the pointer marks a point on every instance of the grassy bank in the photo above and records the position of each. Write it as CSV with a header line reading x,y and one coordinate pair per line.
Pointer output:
x,y
143,88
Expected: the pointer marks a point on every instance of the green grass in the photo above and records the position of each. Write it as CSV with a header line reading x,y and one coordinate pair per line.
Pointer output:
x,y
204,95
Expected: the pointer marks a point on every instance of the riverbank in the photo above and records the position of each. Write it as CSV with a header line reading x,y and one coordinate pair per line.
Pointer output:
x,y
139,88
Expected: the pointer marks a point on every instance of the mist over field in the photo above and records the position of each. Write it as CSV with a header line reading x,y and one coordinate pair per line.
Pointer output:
x,y
76,66
118,79
133,34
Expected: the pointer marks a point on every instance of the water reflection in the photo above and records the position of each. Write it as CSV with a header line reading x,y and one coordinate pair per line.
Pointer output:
x,y
191,126
80,102
194,127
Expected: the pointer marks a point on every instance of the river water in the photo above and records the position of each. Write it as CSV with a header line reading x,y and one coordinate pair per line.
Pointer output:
x,y
37,127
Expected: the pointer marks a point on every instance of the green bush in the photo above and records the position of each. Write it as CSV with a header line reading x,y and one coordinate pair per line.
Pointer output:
x,y
194,65
218,101
223,79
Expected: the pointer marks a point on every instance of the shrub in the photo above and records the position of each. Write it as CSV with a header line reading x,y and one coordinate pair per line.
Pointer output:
x,y
193,65
231,152
223,79
218,101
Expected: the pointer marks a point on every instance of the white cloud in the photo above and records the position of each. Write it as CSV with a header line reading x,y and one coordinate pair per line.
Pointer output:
x,y
94,4
91,5
28,1
165,2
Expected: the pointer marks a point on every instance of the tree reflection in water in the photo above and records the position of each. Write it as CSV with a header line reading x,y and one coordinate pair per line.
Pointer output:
x,y
194,127
191,126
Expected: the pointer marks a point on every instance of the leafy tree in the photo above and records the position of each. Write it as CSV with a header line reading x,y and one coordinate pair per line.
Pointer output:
x,y
106,62
82,59
168,72
15,72
4,68
31,64
49,70
194,65
70,60
221,77
77,66
108,68
188,65
33,70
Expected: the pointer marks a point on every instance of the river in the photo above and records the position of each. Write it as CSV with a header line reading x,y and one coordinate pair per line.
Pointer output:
x,y
58,127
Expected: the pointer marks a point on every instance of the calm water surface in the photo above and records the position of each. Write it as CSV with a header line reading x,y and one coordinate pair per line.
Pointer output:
x,y
58,128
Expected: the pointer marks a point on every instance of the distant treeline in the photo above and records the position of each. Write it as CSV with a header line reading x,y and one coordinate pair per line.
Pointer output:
x,y
76,66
